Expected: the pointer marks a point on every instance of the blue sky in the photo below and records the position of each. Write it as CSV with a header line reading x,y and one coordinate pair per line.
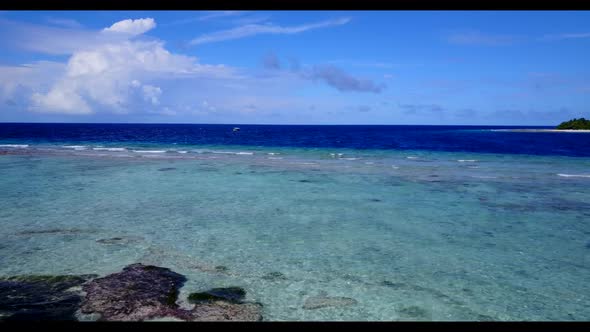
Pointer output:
x,y
295,67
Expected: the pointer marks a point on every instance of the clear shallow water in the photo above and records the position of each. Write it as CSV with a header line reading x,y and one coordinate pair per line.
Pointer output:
x,y
409,234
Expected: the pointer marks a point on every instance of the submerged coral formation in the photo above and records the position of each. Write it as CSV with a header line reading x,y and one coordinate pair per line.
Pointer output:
x,y
138,293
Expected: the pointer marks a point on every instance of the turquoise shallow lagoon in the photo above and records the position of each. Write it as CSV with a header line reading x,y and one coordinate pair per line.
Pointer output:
x,y
409,235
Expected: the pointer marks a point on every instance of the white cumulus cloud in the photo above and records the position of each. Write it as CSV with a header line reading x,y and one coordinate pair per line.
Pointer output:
x,y
132,27
103,76
152,94
60,100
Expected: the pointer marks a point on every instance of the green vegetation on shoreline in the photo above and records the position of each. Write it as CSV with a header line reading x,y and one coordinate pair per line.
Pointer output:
x,y
580,123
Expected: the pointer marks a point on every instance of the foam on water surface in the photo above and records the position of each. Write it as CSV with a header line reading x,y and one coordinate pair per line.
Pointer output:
x,y
150,151
574,175
14,146
109,149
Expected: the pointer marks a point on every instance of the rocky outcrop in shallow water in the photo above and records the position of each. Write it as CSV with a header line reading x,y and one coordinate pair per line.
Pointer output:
x,y
137,293
146,292
58,231
40,297
120,240
228,294
224,304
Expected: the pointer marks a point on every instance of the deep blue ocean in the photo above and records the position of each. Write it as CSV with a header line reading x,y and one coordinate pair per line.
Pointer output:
x,y
436,138
379,223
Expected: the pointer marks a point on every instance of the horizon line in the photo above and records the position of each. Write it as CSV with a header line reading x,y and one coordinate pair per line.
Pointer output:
x,y
270,124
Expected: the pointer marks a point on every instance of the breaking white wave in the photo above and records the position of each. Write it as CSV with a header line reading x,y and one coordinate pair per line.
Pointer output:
x,y
229,152
150,151
411,157
109,149
223,152
20,146
75,147
574,175
467,160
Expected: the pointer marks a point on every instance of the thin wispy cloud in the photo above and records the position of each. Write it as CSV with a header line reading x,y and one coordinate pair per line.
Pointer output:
x,y
219,14
248,19
477,38
422,108
51,39
257,29
214,15
328,74
563,36
342,81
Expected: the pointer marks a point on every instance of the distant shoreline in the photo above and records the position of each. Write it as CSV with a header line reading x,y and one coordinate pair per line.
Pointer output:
x,y
546,130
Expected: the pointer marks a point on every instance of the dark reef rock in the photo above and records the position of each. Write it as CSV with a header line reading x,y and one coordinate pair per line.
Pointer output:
x,y
229,294
40,297
395,285
221,269
137,293
166,169
146,292
274,276
122,240
55,231
323,301
223,304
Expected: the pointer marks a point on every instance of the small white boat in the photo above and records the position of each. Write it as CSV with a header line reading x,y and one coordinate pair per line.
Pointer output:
x,y
236,129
